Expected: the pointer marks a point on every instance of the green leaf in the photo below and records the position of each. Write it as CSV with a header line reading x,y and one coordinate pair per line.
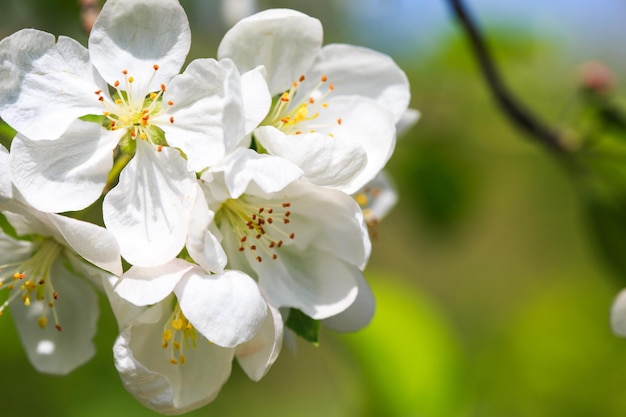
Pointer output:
x,y
304,326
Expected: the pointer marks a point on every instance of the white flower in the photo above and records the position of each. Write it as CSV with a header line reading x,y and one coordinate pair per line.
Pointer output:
x,y
376,198
54,308
61,163
306,244
226,308
186,371
341,101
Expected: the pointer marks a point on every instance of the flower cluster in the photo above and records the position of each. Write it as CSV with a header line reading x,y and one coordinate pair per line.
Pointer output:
x,y
210,205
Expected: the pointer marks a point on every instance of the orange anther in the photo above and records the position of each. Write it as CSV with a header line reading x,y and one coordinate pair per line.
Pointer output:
x,y
302,78
324,78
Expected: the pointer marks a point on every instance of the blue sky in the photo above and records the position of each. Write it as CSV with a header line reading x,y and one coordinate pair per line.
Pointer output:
x,y
591,28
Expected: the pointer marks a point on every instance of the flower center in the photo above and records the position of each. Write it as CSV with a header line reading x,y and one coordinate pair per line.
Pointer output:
x,y
30,282
132,108
294,111
178,334
260,229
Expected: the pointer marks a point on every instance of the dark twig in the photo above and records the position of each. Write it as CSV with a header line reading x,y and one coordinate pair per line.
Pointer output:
x,y
514,110
89,10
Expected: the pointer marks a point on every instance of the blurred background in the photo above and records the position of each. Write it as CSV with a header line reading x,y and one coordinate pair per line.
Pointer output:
x,y
493,299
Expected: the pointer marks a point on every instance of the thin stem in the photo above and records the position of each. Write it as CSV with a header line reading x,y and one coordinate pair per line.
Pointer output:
x,y
512,108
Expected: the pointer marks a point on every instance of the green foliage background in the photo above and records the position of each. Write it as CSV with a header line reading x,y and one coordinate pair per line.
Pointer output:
x,y
492,299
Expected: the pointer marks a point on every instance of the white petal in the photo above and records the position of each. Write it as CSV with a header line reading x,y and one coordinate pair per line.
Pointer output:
x,y
207,112
256,97
13,250
244,167
359,314
7,189
148,211
202,245
329,221
137,35
26,221
45,86
65,174
360,71
59,352
228,309
618,314
366,123
148,375
285,41
94,243
315,282
124,311
145,286
325,160
408,119
257,356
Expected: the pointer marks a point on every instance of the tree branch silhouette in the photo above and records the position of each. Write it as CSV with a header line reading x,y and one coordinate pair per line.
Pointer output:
x,y
519,115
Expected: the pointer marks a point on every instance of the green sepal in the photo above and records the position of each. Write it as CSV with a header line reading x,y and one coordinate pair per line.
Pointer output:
x,y
7,133
96,118
128,145
304,326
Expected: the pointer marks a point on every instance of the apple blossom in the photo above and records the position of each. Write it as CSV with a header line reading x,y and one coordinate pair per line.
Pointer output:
x,y
74,108
335,107
174,385
305,244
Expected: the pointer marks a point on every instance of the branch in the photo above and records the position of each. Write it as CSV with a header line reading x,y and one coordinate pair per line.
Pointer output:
x,y
515,111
